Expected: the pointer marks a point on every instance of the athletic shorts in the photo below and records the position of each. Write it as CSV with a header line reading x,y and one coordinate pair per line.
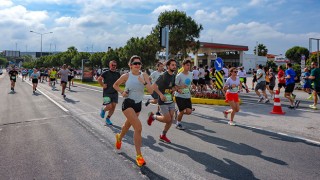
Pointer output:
x,y
52,79
166,108
110,98
289,88
155,95
64,82
14,80
41,74
202,81
243,79
267,83
195,81
34,81
280,85
183,103
260,85
129,103
232,97
317,89
306,85
70,78
271,87
254,80
208,82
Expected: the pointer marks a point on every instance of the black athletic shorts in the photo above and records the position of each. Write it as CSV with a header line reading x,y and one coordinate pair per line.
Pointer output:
x,y
202,81
14,80
183,103
271,87
129,103
195,81
110,98
34,81
155,95
70,78
52,79
280,85
64,82
289,88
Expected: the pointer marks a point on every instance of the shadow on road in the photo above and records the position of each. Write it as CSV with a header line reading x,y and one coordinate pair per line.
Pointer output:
x,y
68,100
227,169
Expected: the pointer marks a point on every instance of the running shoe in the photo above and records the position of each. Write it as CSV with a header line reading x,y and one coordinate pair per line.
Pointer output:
x,y
260,99
158,113
247,90
118,141
180,127
108,122
231,123
150,118
164,138
147,103
64,96
102,113
225,114
193,109
313,106
34,92
266,101
293,96
140,161
291,107
296,103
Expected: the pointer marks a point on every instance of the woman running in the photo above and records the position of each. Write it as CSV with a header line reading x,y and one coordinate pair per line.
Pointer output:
x,y
35,76
233,87
135,81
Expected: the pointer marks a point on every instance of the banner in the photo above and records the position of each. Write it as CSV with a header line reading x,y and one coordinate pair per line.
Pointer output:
x,y
87,70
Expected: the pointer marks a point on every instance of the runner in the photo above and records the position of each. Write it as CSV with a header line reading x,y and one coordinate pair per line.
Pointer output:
x,y
52,80
254,78
261,84
110,95
272,83
207,77
183,95
13,74
232,88
64,79
243,78
30,71
195,78
307,82
154,76
35,76
290,83
164,86
131,106
315,76
281,78
24,74
202,82
70,76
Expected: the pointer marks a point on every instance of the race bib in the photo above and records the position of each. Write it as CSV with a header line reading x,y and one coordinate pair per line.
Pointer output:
x,y
186,91
106,100
168,97
13,77
235,89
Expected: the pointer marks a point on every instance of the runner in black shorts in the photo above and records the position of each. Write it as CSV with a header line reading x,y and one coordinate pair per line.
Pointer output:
x,y
35,79
13,74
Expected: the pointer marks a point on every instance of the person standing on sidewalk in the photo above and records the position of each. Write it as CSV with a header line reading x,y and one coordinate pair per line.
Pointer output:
x,y
183,95
64,72
290,83
110,95
261,84
315,76
154,77
165,86
232,88
135,81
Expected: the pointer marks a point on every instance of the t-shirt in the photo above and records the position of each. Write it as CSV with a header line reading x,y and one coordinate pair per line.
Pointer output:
x,y
64,74
281,78
71,72
233,85
109,78
183,79
195,74
242,73
316,73
263,77
306,75
24,72
13,74
165,83
272,79
154,76
201,71
226,72
53,74
292,74
207,76
35,75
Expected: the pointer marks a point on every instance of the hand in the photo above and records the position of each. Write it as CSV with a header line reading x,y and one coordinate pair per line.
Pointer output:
x,y
184,86
124,94
163,98
179,91
105,86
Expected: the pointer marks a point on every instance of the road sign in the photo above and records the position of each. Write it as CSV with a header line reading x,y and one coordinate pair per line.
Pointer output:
x,y
218,64
219,80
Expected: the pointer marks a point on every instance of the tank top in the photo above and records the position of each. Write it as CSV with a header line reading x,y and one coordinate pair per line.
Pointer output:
x,y
135,88
53,74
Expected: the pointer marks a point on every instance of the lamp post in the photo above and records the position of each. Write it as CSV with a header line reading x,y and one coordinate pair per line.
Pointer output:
x,y
41,34
310,48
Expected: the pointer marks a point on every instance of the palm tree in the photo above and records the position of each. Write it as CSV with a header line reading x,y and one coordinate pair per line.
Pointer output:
x,y
262,50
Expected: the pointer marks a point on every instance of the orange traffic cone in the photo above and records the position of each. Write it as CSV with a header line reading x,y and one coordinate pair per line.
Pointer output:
x,y
276,104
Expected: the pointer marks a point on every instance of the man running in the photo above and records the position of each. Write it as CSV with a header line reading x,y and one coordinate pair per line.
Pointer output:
x,y
315,76
261,84
52,76
290,83
64,72
183,95
164,86
35,80
110,95
24,74
13,74
154,77
70,76
281,78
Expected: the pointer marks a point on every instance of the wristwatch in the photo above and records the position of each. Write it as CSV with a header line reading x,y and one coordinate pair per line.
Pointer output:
x,y
145,83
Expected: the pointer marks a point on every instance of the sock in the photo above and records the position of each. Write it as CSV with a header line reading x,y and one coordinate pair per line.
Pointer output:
x,y
154,117
164,133
108,117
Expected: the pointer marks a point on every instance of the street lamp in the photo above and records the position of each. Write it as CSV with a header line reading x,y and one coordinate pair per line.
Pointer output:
x,y
41,34
310,48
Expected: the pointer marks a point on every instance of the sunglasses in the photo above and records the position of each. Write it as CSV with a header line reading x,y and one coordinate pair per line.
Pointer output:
x,y
114,65
235,71
136,63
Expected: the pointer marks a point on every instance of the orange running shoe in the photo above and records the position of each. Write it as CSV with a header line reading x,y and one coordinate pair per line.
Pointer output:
x,y
118,141
140,161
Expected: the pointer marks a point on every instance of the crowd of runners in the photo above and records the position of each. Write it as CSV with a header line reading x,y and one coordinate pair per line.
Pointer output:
x,y
170,89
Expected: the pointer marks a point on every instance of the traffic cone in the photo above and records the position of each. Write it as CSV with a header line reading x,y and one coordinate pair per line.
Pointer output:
x,y
276,104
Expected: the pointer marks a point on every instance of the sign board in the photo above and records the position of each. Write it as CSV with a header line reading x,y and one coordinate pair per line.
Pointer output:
x,y
218,64
87,70
219,79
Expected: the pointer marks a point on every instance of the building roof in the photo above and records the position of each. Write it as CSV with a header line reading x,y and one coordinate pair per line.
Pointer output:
x,y
223,47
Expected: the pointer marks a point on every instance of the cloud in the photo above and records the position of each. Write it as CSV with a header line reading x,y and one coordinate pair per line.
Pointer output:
x,y
163,8
256,2
225,14
5,3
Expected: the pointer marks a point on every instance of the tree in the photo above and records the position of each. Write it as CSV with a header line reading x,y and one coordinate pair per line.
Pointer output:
x,y
76,61
111,55
96,59
262,50
183,32
295,53
3,61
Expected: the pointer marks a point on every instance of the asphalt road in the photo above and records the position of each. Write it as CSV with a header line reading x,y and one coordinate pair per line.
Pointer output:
x,y
46,137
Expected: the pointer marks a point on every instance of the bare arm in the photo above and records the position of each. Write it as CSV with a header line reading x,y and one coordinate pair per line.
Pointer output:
x,y
146,80
100,79
120,81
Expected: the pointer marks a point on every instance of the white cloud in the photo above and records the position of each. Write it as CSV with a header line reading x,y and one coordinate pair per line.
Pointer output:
x,y
163,8
224,15
5,3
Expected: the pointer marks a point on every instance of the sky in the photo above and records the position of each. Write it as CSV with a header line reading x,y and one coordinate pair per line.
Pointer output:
x,y
95,25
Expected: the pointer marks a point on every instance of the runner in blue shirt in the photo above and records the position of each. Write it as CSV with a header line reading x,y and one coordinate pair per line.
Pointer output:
x,y
290,83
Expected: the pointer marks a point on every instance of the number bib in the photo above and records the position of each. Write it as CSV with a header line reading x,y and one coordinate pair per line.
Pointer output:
x,y
235,89
186,91
168,97
106,100
13,77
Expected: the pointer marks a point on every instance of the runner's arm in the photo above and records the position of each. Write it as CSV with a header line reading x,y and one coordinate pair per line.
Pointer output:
x,y
148,84
120,81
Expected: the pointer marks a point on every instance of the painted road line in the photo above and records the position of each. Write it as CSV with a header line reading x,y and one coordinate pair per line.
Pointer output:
x,y
55,102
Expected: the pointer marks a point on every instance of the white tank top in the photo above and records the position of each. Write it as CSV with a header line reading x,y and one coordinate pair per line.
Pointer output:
x,y
135,88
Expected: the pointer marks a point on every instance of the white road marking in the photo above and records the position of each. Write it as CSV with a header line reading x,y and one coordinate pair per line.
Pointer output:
x,y
90,89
